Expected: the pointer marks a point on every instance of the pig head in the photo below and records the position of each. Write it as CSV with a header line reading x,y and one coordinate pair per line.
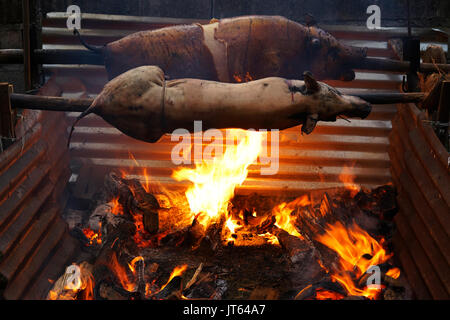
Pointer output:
x,y
321,102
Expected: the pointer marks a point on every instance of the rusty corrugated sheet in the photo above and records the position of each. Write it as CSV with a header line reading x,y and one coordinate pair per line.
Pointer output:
x,y
34,243
419,166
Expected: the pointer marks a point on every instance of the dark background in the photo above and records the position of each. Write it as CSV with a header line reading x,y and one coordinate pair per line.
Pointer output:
x,y
424,13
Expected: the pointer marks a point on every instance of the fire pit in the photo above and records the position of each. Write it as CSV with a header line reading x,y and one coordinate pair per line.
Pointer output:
x,y
349,201
149,242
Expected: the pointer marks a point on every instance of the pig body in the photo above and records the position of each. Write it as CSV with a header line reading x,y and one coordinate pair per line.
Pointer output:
x,y
143,105
235,49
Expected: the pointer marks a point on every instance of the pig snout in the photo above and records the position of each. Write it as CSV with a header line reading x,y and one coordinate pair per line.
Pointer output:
x,y
358,108
366,110
362,110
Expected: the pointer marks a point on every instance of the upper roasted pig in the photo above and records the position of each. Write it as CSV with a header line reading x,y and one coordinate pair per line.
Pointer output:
x,y
234,49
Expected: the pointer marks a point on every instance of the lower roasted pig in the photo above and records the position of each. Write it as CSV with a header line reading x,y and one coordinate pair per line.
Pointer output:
x,y
143,105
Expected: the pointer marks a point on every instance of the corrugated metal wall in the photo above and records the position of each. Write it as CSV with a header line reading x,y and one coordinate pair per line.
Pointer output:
x,y
306,162
35,245
421,173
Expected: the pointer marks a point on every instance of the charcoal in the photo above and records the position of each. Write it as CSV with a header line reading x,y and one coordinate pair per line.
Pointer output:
x,y
221,288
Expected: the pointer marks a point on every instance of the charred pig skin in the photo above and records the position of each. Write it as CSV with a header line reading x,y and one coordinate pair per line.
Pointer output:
x,y
179,50
232,49
143,105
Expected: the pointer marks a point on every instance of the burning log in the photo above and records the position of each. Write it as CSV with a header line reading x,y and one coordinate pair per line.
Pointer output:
x,y
298,250
212,238
117,189
270,103
109,291
203,289
194,277
173,287
139,267
146,204
188,237
135,199
117,241
172,291
310,291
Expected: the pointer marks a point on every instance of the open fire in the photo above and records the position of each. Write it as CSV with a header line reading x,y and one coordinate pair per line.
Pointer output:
x,y
341,234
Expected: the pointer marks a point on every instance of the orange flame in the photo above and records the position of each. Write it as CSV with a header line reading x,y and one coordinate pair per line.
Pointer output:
x,y
121,274
177,271
232,226
352,244
347,177
284,219
393,273
116,208
213,184
132,264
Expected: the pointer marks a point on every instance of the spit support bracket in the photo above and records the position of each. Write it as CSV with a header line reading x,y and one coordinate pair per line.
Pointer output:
x,y
7,114
443,114
411,53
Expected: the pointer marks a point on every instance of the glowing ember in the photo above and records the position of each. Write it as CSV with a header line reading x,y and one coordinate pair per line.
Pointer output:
x,y
271,239
323,294
245,78
92,236
214,183
139,239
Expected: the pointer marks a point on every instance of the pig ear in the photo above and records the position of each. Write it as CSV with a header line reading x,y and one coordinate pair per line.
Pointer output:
x,y
310,123
311,84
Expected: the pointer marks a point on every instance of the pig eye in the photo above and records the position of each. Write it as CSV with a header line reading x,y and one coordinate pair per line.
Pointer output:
x,y
302,89
315,43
